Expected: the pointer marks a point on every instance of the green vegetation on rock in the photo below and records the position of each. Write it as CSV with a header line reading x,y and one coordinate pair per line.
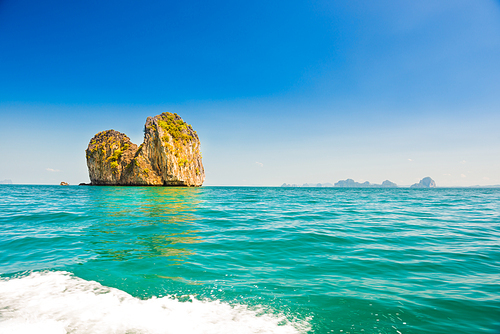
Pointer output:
x,y
174,126
116,155
169,155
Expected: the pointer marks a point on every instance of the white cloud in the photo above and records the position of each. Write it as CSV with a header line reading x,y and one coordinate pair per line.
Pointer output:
x,y
462,175
463,162
486,178
447,174
410,160
53,170
260,164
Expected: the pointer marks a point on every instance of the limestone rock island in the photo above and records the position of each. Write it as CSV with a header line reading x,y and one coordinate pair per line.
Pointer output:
x,y
426,182
169,156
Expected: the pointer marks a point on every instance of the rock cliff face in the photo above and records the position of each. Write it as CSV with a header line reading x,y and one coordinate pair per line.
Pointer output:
x,y
169,156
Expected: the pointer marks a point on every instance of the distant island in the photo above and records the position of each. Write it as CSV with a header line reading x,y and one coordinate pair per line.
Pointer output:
x,y
314,185
169,156
350,183
426,182
490,186
6,182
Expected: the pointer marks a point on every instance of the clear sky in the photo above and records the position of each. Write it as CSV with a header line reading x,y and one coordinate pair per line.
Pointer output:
x,y
278,91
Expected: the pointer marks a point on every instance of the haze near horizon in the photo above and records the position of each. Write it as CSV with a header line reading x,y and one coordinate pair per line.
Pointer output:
x,y
283,92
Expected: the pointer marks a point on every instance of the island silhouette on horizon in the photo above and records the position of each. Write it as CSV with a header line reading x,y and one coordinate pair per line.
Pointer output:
x,y
426,182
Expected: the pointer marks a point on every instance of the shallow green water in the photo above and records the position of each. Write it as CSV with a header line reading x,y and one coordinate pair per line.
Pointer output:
x,y
249,260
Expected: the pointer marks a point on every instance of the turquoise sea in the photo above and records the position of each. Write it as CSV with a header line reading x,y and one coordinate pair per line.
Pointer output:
x,y
248,260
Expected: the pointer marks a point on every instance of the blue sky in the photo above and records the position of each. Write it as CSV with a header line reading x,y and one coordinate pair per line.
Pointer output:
x,y
295,91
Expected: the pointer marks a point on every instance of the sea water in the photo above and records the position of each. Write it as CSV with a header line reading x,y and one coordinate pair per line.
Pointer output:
x,y
248,260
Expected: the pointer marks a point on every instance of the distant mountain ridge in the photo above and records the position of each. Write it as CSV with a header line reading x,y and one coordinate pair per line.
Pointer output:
x,y
312,185
426,182
350,183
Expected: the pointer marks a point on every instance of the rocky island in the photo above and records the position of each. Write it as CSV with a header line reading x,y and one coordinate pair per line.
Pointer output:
x,y
350,183
426,182
169,156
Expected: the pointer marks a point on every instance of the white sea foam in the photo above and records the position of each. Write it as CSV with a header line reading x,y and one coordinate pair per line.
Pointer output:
x,y
58,302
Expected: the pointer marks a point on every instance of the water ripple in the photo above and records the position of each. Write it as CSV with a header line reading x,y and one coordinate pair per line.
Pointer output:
x,y
350,260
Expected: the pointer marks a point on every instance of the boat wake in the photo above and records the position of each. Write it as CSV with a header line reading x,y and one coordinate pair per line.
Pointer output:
x,y
58,302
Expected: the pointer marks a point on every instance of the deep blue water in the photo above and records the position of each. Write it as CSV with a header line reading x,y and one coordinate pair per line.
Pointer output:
x,y
249,260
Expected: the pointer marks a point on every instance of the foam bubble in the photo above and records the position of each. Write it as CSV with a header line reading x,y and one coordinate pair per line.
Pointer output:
x,y
58,302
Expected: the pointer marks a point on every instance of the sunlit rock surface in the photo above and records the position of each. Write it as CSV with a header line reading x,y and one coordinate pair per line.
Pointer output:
x,y
169,156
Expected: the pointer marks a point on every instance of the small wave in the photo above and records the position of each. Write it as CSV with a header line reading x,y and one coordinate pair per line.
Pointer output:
x,y
58,302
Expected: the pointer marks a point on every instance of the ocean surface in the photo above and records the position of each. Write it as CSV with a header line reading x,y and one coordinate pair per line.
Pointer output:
x,y
248,260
